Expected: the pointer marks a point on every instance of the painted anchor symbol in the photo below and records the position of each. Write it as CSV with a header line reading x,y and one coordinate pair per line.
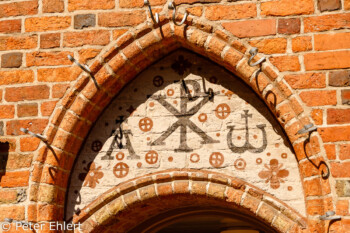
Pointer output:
x,y
184,118
247,146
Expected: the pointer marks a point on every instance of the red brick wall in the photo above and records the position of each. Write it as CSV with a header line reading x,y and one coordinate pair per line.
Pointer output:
x,y
307,41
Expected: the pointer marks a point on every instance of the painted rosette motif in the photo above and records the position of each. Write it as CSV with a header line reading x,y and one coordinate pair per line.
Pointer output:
x,y
185,112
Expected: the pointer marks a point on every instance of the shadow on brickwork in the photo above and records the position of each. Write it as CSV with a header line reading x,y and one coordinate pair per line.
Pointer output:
x,y
4,154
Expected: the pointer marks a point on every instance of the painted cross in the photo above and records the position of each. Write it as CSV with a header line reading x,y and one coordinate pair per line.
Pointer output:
x,y
183,117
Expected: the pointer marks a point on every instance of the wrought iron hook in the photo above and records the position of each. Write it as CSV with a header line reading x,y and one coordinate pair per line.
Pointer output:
x,y
172,6
154,19
83,67
41,137
253,52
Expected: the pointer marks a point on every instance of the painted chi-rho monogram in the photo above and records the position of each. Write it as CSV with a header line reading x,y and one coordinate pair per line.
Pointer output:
x,y
185,112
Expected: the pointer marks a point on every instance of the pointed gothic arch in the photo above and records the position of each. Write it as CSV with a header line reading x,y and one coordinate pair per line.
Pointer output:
x,y
119,63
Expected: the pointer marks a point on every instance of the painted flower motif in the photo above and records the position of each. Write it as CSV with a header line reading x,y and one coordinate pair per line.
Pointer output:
x,y
91,176
274,174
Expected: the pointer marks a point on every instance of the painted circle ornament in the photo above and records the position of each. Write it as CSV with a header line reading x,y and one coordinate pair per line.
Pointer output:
x,y
121,170
222,111
119,156
194,158
151,157
240,164
158,81
96,146
146,124
216,159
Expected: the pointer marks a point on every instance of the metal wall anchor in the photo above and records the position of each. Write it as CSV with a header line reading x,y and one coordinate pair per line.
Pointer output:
x,y
253,52
154,19
172,6
307,129
329,216
41,137
83,67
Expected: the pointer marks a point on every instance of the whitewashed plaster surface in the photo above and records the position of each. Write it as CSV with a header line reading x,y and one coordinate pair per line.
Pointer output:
x,y
164,128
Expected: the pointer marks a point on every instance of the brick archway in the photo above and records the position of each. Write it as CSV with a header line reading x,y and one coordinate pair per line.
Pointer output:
x,y
121,62
126,205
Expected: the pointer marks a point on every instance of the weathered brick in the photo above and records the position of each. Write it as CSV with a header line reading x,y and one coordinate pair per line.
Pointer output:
x,y
8,196
7,111
301,44
26,110
61,74
88,54
327,60
18,42
343,188
289,26
84,21
330,151
329,5
16,76
50,40
342,207
317,116
287,7
270,46
196,11
11,60
344,151
339,78
240,11
332,41
14,179
346,4
90,4
117,33
10,26
29,144
251,28
286,63
334,134
58,90
339,170
15,94
75,39
326,22
194,1
19,8
345,97
52,6
306,81
338,116
121,18
47,108
139,3
42,24
48,58
14,212
319,98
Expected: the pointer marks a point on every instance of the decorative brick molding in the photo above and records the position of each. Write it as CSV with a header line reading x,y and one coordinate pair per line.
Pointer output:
x,y
119,63
129,204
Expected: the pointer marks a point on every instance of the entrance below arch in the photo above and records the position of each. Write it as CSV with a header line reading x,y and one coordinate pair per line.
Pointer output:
x,y
186,112
203,220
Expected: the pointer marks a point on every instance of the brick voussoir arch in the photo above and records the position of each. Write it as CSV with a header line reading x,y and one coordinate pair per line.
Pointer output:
x,y
129,55
121,202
